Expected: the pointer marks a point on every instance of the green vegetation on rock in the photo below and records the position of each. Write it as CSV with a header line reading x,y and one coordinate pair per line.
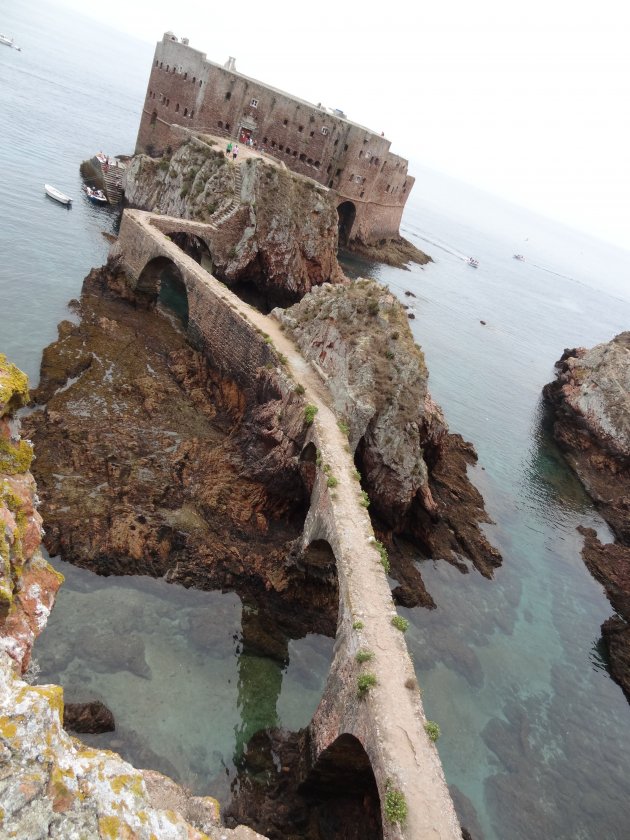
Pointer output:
x,y
395,805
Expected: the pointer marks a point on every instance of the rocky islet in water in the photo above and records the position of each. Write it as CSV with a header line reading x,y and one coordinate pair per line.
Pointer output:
x,y
590,404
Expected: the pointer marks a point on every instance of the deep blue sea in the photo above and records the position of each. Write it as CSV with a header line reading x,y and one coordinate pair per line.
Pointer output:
x,y
535,734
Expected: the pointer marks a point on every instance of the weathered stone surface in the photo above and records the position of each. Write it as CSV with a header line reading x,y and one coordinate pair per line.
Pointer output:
x,y
53,785
590,404
269,227
413,470
90,717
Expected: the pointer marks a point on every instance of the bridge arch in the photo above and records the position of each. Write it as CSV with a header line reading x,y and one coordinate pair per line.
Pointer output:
x,y
195,247
161,281
342,787
346,213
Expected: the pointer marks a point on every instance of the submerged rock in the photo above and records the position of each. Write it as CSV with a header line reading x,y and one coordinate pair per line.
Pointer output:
x,y
590,405
92,718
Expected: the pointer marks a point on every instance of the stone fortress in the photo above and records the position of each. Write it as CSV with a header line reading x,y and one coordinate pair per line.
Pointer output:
x,y
187,90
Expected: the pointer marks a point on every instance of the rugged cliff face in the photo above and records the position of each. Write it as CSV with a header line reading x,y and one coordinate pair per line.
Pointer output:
x,y
413,470
590,404
267,226
53,785
179,470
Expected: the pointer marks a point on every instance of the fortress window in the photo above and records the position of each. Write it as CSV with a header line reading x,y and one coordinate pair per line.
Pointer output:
x,y
227,126
303,157
288,150
161,65
156,62
185,76
254,103
345,148
177,108
294,153
228,95
194,79
154,118
185,112
337,173
362,194
300,128
285,122
324,130
273,144
329,168
192,114
168,102
220,123
264,141
317,164
312,133
337,142
387,189
281,148
199,82
168,67
309,161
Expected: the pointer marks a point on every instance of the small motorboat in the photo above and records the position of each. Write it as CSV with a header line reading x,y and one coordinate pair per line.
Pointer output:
x,y
9,42
519,257
473,262
57,195
96,196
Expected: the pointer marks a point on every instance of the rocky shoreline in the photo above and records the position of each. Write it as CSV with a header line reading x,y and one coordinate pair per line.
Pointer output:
x,y
590,405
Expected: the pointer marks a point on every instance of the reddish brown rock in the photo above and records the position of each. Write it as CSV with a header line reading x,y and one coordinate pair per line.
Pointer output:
x,y
90,718
590,406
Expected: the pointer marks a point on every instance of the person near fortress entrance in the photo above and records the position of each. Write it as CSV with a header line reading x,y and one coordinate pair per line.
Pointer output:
x,y
234,151
228,148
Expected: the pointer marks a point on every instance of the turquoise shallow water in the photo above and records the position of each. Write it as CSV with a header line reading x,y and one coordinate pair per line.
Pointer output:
x,y
535,734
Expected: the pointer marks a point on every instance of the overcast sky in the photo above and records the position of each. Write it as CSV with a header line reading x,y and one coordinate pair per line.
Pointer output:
x,y
528,101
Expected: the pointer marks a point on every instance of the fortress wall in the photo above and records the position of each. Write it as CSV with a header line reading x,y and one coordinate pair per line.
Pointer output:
x,y
185,89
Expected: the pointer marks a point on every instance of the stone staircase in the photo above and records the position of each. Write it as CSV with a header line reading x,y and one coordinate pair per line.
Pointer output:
x,y
112,178
229,208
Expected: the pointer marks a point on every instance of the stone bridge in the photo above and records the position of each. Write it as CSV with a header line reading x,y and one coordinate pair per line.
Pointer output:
x,y
374,740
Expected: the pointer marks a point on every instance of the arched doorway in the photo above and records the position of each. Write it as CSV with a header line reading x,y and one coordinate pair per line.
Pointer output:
x,y
194,247
347,213
342,789
161,281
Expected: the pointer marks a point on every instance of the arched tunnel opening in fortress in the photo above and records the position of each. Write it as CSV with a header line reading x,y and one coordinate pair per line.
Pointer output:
x,y
162,282
346,213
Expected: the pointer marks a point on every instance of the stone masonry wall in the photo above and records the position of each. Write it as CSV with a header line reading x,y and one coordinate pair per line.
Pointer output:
x,y
188,90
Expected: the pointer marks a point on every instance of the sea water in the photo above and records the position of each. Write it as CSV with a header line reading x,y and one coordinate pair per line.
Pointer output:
x,y
535,734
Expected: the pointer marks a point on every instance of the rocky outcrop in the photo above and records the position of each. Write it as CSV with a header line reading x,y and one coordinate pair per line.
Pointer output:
x,y
590,405
153,462
266,226
52,784
412,469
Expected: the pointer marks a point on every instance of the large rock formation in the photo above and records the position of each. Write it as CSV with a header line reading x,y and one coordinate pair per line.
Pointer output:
x,y
268,227
590,403
153,462
52,784
413,470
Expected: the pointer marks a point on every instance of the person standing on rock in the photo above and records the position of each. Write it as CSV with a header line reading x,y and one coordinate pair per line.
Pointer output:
x,y
229,148
234,151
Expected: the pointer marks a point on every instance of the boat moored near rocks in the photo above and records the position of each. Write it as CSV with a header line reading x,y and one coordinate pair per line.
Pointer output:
x,y
53,192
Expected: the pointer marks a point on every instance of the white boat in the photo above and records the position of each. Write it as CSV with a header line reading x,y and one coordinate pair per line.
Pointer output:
x,y
473,262
57,195
96,196
9,42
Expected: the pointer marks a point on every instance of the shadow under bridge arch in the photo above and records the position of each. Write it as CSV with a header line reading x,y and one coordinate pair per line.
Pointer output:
x,y
161,281
342,789
195,247
346,213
